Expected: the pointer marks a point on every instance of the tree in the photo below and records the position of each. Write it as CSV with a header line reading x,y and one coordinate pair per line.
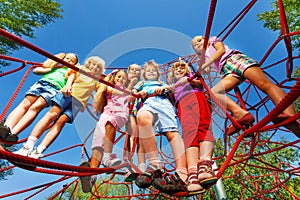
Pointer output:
x,y
254,172
105,189
297,102
271,19
22,18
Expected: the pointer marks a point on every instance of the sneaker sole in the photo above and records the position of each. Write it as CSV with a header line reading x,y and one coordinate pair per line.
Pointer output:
x,y
85,180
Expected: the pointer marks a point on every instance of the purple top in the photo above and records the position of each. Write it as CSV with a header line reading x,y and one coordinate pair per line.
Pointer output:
x,y
185,89
218,64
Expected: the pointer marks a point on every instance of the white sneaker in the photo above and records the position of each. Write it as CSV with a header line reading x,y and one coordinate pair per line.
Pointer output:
x,y
24,151
112,161
36,154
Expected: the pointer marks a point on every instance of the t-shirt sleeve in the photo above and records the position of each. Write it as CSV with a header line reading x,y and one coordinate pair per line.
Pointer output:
x,y
138,86
70,72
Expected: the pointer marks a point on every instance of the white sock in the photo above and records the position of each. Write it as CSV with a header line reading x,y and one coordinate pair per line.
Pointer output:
x,y
106,156
31,142
142,167
41,148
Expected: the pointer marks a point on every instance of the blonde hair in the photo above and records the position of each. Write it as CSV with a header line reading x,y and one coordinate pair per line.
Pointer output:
x,y
134,65
151,63
174,66
100,62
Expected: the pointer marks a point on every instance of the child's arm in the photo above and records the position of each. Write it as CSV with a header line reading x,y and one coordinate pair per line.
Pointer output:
x,y
48,65
220,51
99,99
116,92
132,82
67,89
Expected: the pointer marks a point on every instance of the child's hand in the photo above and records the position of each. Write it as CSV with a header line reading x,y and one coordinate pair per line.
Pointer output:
x,y
143,93
66,91
159,90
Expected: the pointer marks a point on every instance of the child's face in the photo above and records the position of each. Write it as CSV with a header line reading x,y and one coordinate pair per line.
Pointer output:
x,y
180,70
197,44
95,67
120,78
151,73
134,71
71,58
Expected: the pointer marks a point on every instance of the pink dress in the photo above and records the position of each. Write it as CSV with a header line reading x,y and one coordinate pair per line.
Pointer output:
x,y
116,112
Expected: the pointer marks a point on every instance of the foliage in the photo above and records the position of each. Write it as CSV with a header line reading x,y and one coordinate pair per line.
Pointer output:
x,y
297,102
22,17
271,19
105,189
253,172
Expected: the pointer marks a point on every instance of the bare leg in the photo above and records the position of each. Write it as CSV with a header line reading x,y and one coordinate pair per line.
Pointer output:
x,y
110,134
15,116
177,146
55,130
206,149
258,78
29,116
44,123
97,154
147,136
224,85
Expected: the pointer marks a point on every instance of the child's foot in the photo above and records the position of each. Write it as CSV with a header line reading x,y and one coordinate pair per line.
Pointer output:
x,y
111,161
246,121
193,183
87,182
12,138
24,151
4,131
130,176
146,178
170,184
206,175
36,154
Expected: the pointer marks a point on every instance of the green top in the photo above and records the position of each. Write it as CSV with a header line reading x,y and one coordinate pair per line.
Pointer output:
x,y
56,77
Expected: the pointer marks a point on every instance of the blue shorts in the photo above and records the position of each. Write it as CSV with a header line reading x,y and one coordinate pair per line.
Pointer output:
x,y
164,113
70,105
44,89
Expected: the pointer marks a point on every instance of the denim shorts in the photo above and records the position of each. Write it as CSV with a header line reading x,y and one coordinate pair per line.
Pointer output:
x,y
44,89
70,105
164,113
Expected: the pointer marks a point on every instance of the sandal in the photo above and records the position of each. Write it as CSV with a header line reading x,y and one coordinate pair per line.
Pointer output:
x,y
206,176
246,121
146,178
193,184
171,184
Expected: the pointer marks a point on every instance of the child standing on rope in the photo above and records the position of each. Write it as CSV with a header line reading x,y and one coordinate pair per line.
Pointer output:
x,y
134,75
157,113
114,116
66,105
235,67
195,119
37,97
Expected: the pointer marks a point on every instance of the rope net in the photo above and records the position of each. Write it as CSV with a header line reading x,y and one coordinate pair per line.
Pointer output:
x,y
251,160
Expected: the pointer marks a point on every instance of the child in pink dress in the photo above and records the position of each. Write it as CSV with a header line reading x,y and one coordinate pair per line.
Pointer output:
x,y
114,116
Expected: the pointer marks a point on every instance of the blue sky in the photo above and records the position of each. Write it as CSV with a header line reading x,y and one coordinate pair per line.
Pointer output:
x,y
126,32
